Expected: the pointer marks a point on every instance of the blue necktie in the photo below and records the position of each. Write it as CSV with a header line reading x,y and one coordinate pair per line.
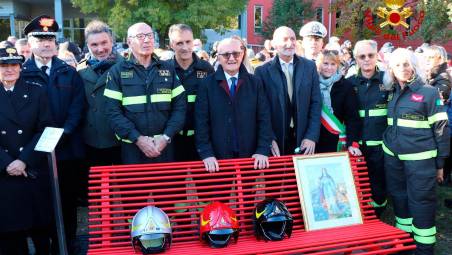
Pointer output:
x,y
233,86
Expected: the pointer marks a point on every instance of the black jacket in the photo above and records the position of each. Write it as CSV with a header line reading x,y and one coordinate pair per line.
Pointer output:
x,y
66,100
344,102
24,202
373,102
144,101
306,95
190,79
216,115
440,79
417,123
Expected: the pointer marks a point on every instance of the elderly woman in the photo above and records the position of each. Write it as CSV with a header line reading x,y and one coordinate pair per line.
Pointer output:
x,y
340,115
416,144
24,186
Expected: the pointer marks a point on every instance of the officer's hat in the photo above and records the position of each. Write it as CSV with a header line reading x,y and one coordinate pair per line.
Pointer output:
x,y
42,26
9,56
313,28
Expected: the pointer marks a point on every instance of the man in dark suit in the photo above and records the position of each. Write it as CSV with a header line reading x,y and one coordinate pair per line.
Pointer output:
x,y
232,118
292,87
65,91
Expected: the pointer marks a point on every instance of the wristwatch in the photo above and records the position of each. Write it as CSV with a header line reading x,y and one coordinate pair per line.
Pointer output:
x,y
167,138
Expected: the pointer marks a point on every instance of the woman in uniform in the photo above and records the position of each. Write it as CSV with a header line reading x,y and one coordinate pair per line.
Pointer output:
x,y
416,144
24,185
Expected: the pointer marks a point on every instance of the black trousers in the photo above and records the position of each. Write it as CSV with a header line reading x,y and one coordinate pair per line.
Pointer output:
x,y
15,243
411,184
185,149
375,165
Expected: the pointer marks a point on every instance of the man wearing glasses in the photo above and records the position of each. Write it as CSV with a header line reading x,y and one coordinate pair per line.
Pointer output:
x,y
145,101
373,100
232,118
292,87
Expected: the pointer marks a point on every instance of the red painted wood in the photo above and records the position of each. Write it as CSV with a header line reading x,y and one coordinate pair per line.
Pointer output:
x,y
118,192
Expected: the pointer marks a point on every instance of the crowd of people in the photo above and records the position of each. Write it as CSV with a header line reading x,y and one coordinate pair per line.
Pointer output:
x,y
144,105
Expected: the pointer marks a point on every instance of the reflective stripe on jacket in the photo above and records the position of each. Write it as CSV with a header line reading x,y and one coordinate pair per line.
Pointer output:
x,y
417,124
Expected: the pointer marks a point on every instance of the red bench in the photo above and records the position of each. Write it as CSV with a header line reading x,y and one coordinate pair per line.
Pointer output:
x,y
181,189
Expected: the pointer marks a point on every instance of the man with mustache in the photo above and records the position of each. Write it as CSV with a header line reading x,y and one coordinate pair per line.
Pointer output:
x,y
292,87
145,101
66,99
191,71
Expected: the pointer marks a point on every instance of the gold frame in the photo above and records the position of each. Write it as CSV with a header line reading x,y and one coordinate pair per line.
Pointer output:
x,y
352,196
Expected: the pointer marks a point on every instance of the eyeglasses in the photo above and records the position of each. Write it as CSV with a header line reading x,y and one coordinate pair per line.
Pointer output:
x,y
227,55
334,52
363,56
143,36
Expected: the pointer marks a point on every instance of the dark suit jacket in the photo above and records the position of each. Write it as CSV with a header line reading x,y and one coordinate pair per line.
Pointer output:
x,y
306,96
344,101
216,114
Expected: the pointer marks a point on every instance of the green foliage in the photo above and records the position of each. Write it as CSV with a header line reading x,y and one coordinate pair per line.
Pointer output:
x,y
436,21
351,19
161,14
291,13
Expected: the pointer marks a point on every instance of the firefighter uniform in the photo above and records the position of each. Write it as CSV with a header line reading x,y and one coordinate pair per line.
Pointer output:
x,y
144,102
184,141
373,110
416,144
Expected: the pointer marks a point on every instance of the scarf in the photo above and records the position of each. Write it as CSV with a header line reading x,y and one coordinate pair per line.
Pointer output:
x,y
101,66
325,88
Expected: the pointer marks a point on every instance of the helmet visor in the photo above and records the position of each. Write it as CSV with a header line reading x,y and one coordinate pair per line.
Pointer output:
x,y
219,238
151,243
273,230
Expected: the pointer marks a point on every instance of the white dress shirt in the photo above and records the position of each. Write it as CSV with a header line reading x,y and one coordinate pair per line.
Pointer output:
x,y
228,78
49,65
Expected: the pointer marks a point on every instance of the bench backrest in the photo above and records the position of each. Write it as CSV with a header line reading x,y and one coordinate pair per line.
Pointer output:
x,y
116,193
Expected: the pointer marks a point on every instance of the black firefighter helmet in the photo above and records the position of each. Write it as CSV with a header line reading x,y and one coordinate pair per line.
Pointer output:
x,y
272,220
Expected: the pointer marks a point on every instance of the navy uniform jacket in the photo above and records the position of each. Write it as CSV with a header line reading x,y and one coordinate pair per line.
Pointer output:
x,y
306,97
24,202
417,124
66,99
144,101
216,113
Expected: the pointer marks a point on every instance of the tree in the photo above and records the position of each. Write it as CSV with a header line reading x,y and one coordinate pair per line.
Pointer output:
x,y
290,13
161,14
436,21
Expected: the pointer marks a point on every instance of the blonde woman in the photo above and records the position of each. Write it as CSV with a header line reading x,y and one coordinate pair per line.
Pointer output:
x,y
416,143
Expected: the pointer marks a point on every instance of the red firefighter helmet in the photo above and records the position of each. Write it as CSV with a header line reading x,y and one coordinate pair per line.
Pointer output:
x,y
218,223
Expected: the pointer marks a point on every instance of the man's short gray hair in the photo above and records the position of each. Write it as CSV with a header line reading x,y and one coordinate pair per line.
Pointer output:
x,y
178,28
97,27
373,44
21,42
439,51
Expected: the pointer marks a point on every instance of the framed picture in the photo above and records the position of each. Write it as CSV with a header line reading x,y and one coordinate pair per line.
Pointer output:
x,y
327,190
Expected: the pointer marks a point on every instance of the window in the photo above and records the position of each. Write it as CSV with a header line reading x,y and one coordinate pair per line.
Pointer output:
x,y
319,14
258,19
338,15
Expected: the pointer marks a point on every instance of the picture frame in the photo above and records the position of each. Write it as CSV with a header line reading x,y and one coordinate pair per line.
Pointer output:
x,y
327,190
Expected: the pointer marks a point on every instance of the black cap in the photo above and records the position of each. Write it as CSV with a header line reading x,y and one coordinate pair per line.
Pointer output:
x,y
42,26
10,56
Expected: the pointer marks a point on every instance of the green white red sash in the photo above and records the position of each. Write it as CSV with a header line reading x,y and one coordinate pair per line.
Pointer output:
x,y
334,126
